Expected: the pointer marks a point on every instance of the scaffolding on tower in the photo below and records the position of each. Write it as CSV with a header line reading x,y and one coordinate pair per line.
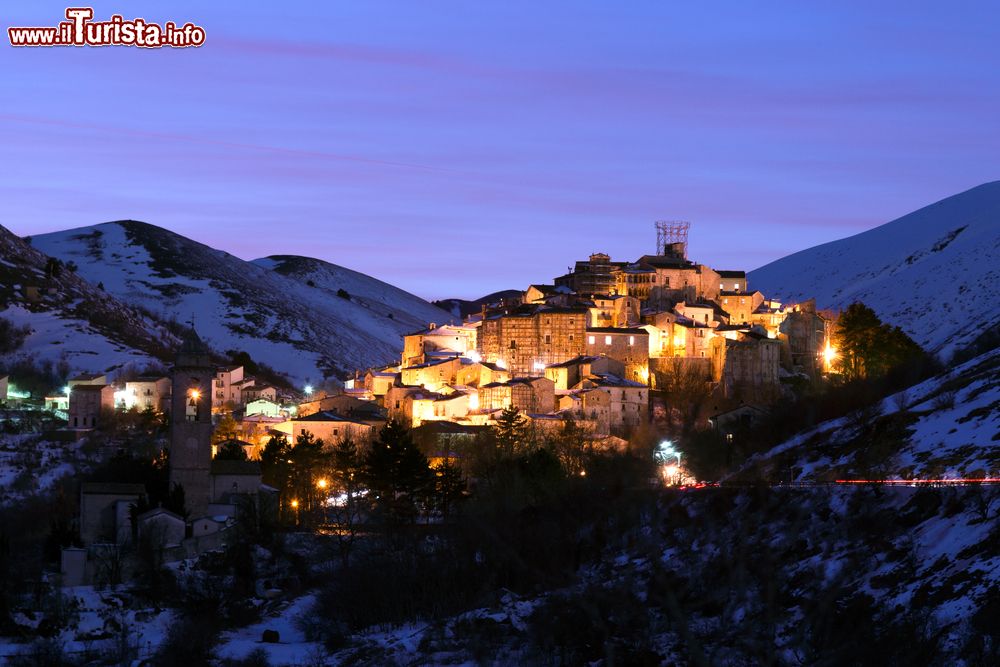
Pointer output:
x,y
672,237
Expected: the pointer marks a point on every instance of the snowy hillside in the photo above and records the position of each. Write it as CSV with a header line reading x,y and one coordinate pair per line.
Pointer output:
x,y
71,320
947,427
934,272
408,312
306,332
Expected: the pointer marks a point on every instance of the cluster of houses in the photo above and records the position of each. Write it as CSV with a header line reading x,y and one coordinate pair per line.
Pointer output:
x,y
89,398
591,346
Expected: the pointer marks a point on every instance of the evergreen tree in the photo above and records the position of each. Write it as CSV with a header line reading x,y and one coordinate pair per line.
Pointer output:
x,y
449,487
275,466
511,431
226,429
397,474
231,450
870,349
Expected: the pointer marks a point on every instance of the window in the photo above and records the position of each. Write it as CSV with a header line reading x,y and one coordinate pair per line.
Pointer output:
x,y
631,340
725,301
513,344
607,340
571,338
721,286
590,340
548,339
742,301
736,286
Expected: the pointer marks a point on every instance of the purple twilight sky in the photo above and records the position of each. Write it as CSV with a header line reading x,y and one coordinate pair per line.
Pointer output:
x,y
457,148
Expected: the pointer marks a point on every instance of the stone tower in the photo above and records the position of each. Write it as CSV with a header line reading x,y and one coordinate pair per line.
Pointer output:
x,y
191,423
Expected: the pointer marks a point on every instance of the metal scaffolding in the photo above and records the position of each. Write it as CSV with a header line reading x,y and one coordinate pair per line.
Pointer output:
x,y
669,232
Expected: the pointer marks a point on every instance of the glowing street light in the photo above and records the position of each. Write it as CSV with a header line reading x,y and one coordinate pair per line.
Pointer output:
x,y
321,483
295,504
666,449
195,394
309,390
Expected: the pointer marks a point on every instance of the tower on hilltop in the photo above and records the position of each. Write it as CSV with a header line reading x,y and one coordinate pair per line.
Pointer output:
x,y
672,238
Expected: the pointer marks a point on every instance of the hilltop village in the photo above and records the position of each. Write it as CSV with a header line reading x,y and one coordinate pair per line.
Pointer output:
x,y
598,346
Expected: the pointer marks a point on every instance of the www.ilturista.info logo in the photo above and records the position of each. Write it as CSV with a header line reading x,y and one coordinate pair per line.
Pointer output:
x,y
81,30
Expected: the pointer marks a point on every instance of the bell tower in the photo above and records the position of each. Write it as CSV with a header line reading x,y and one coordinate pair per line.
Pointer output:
x,y
191,423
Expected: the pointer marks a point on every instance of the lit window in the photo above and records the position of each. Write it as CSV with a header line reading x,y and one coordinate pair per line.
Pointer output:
x,y
607,340
590,340
631,340
721,286
736,286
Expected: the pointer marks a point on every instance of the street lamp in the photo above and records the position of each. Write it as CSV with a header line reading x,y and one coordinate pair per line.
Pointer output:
x,y
309,390
664,452
666,449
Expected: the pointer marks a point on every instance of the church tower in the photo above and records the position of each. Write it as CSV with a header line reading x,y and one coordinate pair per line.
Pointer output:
x,y
191,423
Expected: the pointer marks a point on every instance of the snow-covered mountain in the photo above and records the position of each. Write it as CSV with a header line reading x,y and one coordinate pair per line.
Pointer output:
x,y
304,330
934,272
69,319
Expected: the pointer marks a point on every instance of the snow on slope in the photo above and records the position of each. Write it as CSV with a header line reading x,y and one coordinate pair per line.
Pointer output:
x,y
71,320
953,424
409,312
301,331
934,272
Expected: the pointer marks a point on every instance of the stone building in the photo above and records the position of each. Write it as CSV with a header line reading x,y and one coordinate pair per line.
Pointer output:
x,y
527,339
530,395
378,382
148,393
749,367
569,373
595,275
628,401
734,281
330,428
475,374
88,403
630,347
614,310
104,511
807,333
432,374
227,387
459,339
